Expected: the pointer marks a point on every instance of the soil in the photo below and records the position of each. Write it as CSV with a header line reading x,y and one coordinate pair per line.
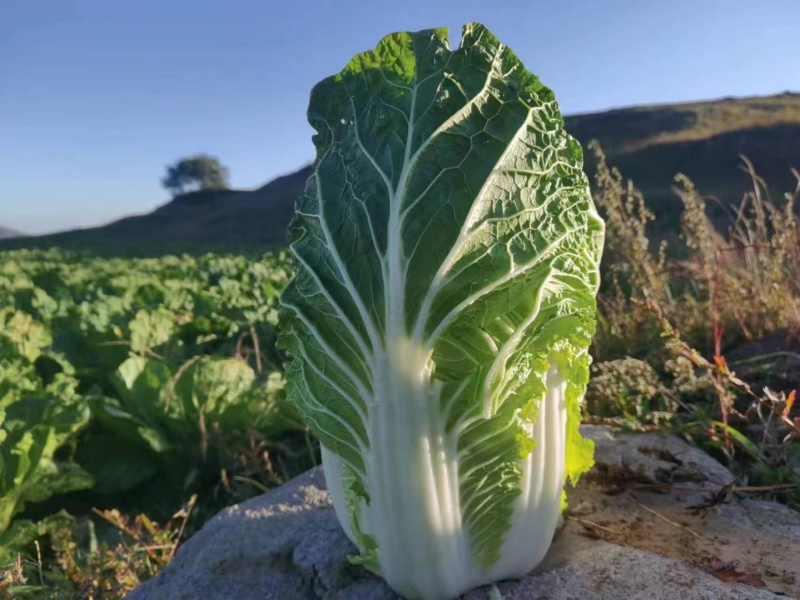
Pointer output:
x,y
741,541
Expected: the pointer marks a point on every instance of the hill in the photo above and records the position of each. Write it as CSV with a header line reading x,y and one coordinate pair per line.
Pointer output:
x,y
197,222
6,233
703,140
649,144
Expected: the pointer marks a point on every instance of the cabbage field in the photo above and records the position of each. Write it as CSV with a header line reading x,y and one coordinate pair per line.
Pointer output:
x,y
135,384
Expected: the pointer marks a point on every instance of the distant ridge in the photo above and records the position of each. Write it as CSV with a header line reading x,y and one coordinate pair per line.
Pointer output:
x,y
6,233
649,144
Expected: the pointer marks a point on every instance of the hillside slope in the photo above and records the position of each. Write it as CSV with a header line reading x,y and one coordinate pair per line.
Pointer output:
x,y
230,217
703,140
6,233
195,222
651,144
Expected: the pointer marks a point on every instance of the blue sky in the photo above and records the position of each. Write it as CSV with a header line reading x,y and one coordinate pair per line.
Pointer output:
x,y
97,96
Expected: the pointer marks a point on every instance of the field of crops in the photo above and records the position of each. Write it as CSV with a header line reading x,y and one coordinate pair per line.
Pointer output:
x,y
135,384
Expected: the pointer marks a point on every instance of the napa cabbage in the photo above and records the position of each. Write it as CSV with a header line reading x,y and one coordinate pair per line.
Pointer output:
x,y
437,326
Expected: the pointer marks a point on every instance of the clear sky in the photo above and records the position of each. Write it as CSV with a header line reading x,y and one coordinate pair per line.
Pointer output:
x,y
97,96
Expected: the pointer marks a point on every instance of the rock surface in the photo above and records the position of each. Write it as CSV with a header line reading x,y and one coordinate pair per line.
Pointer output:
x,y
634,531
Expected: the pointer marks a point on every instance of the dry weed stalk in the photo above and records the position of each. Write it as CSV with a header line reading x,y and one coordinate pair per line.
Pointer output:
x,y
731,288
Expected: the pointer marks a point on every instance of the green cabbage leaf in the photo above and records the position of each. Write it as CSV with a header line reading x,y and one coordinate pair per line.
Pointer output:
x,y
447,253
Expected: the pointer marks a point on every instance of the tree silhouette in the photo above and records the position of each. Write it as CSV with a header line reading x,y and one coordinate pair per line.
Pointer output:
x,y
200,172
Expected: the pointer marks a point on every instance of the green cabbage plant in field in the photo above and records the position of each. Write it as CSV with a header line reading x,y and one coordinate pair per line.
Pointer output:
x,y
37,418
447,254
125,376
154,423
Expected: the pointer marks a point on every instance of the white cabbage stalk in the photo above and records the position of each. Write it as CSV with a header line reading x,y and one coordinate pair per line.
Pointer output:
x,y
437,326
415,512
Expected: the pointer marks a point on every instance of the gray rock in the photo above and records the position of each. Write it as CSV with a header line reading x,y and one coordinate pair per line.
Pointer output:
x,y
652,457
284,545
288,545
603,571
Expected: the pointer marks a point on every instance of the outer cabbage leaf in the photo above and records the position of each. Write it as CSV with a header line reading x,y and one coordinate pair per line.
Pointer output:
x,y
32,430
447,254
